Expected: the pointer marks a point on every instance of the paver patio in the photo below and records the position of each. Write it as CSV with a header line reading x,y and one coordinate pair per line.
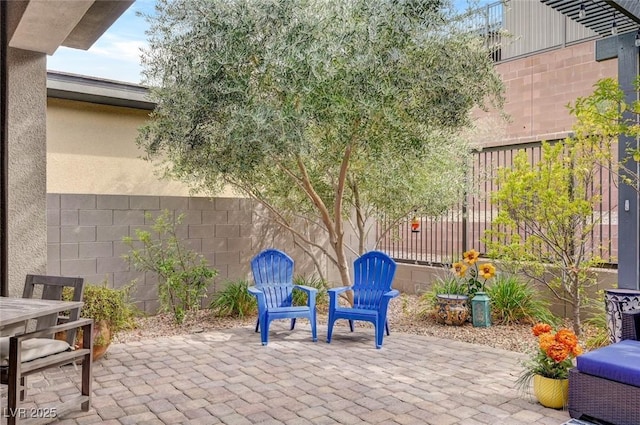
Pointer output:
x,y
228,377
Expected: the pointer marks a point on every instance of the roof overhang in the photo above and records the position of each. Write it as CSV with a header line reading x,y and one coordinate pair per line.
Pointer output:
x,y
599,15
96,90
45,25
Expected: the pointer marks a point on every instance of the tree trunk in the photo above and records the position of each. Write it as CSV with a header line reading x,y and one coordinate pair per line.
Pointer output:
x,y
575,288
343,266
359,218
335,226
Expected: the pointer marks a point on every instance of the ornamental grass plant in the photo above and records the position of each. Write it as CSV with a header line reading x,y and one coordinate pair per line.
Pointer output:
x,y
234,300
514,301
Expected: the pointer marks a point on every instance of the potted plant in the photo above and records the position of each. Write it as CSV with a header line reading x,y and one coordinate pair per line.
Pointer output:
x,y
454,295
448,298
472,271
549,366
111,311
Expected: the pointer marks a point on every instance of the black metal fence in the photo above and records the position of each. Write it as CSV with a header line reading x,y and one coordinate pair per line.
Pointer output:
x,y
441,240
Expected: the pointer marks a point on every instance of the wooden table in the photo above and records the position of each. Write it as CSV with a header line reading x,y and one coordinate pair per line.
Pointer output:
x,y
17,310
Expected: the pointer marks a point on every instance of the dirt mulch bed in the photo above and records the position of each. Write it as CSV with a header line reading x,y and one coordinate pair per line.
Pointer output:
x,y
406,314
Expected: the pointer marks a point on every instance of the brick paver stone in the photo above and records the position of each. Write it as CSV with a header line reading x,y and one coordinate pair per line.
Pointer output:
x,y
228,377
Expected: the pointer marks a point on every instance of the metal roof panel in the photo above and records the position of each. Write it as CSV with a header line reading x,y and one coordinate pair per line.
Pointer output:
x,y
600,14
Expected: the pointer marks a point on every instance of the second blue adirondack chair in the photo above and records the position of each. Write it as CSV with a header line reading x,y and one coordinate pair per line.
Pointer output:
x,y
373,275
273,275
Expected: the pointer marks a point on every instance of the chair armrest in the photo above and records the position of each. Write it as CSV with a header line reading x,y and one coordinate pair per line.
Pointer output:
x,y
254,291
333,295
55,355
311,294
338,290
54,329
391,294
307,289
631,325
260,298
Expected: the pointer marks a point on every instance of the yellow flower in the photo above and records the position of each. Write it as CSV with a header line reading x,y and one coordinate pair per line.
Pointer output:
x,y
471,256
487,271
459,268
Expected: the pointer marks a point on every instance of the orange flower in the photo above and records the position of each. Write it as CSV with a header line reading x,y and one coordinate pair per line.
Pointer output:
x,y
459,268
541,328
567,337
558,352
546,340
471,256
576,351
487,271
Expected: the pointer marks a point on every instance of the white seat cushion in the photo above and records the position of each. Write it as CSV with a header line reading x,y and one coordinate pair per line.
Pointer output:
x,y
33,349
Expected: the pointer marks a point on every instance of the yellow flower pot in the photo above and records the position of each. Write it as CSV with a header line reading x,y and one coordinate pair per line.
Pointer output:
x,y
550,392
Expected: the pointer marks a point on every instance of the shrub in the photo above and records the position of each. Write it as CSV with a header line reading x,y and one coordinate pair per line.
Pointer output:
x,y
300,297
104,304
111,305
234,300
514,301
599,335
447,284
183,274
598,328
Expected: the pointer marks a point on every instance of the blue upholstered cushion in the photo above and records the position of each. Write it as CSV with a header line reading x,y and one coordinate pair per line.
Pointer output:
x,y
618,362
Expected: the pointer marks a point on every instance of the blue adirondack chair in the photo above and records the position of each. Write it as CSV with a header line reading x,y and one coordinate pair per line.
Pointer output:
x,y
373,276
273,276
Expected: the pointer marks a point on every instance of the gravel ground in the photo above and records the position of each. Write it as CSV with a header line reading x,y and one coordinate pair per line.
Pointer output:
x,y
404,316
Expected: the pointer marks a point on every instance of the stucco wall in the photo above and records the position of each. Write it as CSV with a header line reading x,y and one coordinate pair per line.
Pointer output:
x,y
27,166
91,149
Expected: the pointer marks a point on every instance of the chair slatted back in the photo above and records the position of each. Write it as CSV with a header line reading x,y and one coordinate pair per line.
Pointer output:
x,y
278,295
52,287
273,273
373,275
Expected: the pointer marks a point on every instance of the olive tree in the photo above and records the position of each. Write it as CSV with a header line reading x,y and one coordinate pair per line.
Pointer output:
x,y
316,108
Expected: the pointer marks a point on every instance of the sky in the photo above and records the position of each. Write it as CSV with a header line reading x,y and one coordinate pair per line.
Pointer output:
x,y
116,55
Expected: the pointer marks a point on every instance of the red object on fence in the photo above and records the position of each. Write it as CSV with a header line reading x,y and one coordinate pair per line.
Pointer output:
x,y
415,224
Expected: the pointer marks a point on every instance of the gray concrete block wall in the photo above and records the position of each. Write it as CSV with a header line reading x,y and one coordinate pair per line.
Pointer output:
x,y
84,237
